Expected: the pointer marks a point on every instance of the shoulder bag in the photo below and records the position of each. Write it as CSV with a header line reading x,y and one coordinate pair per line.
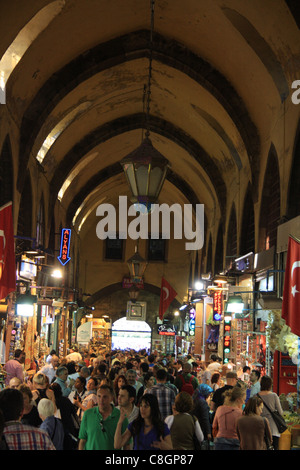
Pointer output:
x,y
277,418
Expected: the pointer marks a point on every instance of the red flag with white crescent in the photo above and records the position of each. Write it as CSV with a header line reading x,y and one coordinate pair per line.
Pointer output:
x,y
291,290
167,295
7,252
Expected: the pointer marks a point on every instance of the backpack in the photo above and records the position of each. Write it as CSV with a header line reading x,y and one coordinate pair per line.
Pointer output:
x,y
187,386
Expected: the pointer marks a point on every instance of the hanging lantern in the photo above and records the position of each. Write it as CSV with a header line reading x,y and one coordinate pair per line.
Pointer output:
x,y
137,266
145,169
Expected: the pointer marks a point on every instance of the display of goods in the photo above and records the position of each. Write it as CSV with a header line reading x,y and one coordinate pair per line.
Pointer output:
x,y
291,418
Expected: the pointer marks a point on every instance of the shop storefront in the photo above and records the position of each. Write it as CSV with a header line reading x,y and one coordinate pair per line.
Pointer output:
x,y
131,334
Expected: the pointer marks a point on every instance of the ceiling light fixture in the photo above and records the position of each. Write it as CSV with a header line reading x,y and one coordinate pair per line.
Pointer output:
x,y
146,168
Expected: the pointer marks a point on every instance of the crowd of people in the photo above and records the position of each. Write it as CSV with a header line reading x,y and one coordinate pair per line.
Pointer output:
x,y
135,401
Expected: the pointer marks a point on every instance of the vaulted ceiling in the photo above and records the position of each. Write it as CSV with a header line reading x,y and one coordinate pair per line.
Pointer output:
x,y
221,70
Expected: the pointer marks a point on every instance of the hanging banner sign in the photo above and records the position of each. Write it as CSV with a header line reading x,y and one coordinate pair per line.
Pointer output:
x,y
64,246
218,310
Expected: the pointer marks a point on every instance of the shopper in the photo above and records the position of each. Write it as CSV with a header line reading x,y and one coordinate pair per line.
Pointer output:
x,y
41,388
225,420
126,400
119,381
78,395
215,381
30,413
183,426
14,367
148,430
90,398
255,383
201,409
62,379
272,401
53,426
163,393
186,382
148,383
218,396
252,428
19,436
49,369
98,425
66,411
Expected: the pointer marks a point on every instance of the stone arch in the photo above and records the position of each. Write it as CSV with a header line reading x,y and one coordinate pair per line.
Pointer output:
x,y
247,236
219,252
209,265
24,228
293,200
270,204
231,245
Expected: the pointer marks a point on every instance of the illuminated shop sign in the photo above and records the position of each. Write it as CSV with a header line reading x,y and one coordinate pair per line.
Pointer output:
x,y
218,310
65,246
192,322
227,339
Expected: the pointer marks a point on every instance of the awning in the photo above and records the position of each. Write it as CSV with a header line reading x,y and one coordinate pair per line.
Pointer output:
x,y
269,301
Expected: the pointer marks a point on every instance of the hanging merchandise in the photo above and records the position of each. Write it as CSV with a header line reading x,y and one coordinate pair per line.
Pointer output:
x,y
213,329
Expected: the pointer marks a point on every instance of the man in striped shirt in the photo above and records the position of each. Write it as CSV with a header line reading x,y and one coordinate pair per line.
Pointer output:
x,y
19,436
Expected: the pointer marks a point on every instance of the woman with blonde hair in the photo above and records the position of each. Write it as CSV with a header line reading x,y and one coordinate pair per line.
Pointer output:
x,y
224,426
41,389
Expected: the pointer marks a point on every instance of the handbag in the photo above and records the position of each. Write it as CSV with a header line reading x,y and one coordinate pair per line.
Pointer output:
x,y
277,418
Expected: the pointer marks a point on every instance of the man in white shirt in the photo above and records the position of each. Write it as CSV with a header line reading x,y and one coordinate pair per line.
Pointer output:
x,y
74,355
214,365
50,369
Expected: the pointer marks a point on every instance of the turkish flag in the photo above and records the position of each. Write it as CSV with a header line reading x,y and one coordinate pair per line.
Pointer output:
x,y
7,252
291,290
167,295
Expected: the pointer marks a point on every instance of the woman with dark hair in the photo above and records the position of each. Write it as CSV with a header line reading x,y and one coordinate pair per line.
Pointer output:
x,y
183,426
149,381
253,430
148,429
271,400
66,411
119,381
30,415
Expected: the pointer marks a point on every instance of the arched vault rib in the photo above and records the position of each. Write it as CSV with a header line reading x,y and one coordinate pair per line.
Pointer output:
x,y
108,290
122,49
137,121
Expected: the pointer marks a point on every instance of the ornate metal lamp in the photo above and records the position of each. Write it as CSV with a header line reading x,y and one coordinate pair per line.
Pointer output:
x,y
146,168
137,266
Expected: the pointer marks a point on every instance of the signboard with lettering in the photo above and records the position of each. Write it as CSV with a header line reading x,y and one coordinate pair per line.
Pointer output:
x,y
192,321
65,246
227,340
218,308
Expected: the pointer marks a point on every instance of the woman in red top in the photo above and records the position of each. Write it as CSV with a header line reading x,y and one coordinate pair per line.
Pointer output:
x,y
225,421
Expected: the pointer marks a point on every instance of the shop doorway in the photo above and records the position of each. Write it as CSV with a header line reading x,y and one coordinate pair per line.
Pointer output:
x,y
130,334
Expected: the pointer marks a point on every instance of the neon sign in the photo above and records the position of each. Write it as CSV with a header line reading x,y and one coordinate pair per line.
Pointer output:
x,y
227,339
192,322
64,246
218,305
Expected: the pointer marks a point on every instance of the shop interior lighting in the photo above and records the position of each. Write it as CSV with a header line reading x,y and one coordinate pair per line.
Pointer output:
x,y
234,304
